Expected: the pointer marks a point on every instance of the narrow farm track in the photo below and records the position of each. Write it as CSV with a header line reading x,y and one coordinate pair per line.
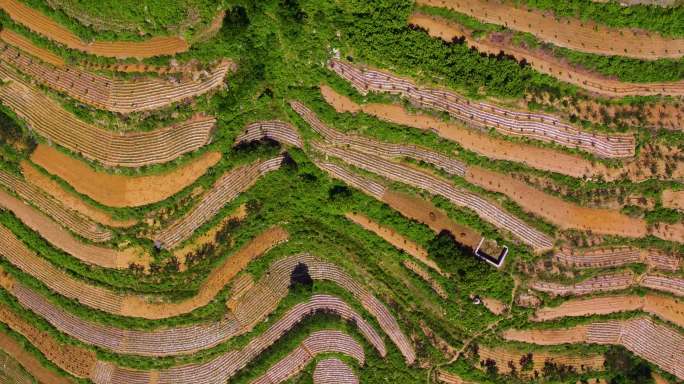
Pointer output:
x,y
119,190
131,305
247,307
19,41
47,118
543,61
667,308
583,36
30,362
537,126
44,25
114,94
659,344
225,189
53,232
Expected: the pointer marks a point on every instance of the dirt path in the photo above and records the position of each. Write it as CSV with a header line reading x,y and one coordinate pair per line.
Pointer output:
x,y
472,140
426,213
30,362
394,238
59,237
543,61
44,25
673,199
555,210
667,308
69,199
568,32
27,46
75,360
119,190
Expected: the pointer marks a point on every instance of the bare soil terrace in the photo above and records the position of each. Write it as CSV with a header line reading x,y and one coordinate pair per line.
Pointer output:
x,y
543,61
119,190
667,308
470,139
394,238
44,25
30,362
584,36
673,199
69,199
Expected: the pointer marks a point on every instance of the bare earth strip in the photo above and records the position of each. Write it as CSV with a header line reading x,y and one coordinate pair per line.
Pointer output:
x,y
116,94
30,362
393,238
667,308
673,199
654,342
544,62
27,46
602,257
584,36
69,199
118,190
508,121
470,139
503,355
62,239
43,25
612,282
132,305
557,211
134,149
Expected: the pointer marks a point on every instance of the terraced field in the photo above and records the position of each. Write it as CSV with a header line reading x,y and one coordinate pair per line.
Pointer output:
x,y
391,191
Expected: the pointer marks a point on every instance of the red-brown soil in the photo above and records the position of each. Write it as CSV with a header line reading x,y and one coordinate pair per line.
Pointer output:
x,y
27,45
473,140
119,190
543,61
69,199
555,210
571,33
503,356
208,237
394,238
673,199
667,308
426,213
30,362
43,25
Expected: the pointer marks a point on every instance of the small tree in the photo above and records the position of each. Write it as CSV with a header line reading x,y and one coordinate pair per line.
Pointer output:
x,y
300,277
